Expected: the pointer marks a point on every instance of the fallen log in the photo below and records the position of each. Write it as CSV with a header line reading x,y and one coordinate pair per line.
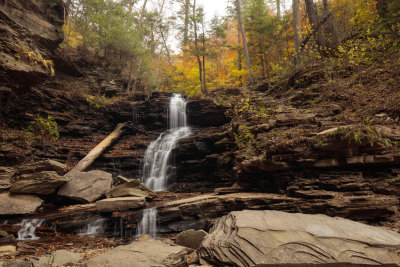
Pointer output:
x,y
84,163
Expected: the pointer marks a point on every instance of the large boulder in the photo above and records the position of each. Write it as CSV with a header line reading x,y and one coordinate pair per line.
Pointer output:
x,y
120,204
248,238
18,204
86,186
190,238
41,183
44,165
131,189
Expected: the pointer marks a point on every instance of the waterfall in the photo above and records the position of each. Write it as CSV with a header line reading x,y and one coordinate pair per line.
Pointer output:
x,y
148,224
94,227
156,159
156,167
28,229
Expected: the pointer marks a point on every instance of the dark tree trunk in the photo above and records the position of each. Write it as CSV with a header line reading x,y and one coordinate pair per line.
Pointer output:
x,y
315,22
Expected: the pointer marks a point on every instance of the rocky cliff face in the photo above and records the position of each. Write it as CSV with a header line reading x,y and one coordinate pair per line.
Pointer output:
x,y
30,31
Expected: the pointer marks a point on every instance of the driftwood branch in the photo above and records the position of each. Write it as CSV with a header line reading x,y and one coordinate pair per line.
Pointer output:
x,y
84,163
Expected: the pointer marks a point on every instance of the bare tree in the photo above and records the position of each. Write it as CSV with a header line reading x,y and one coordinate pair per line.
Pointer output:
x,y
296,29
278,9
246,50
315,22
194,18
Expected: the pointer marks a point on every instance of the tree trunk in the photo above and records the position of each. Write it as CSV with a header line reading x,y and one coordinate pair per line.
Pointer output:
x,y
261,59
315,22
239,55
296,30
246,50
141,17
197,47
278,9
204,60
135,71
84,163
186,26
382,7
331,28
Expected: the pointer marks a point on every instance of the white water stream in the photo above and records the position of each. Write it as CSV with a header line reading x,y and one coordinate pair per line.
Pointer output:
x,y
28,229
95,227
156,165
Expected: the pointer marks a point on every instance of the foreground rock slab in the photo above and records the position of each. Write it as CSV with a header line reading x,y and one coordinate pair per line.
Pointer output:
x,y
248,238
86,186
18,204
120,204
59,258
142,253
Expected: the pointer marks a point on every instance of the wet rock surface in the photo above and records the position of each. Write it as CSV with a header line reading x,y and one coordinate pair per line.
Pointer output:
x,y
247,238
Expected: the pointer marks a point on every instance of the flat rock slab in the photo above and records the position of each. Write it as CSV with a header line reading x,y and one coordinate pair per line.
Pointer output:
x,y
41,183
60,258
44,165
131,189
248,238
8,250
136,254
18,204
86,186
120,204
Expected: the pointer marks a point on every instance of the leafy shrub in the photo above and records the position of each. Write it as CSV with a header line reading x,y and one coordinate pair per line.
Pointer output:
x,y
44,130
243,137
34,58
97,101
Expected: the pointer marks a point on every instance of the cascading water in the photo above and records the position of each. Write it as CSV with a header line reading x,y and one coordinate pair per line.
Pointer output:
x,y
156,160
155,168
148,225
28,229
94,227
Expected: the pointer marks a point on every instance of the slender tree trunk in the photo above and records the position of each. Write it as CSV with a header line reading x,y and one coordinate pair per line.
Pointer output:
x,y
186,26
261,59
166,47
197,47
278,9
135,71
382,7
141,17
239,55
246,50
296,30
204,60
331,28
315,21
